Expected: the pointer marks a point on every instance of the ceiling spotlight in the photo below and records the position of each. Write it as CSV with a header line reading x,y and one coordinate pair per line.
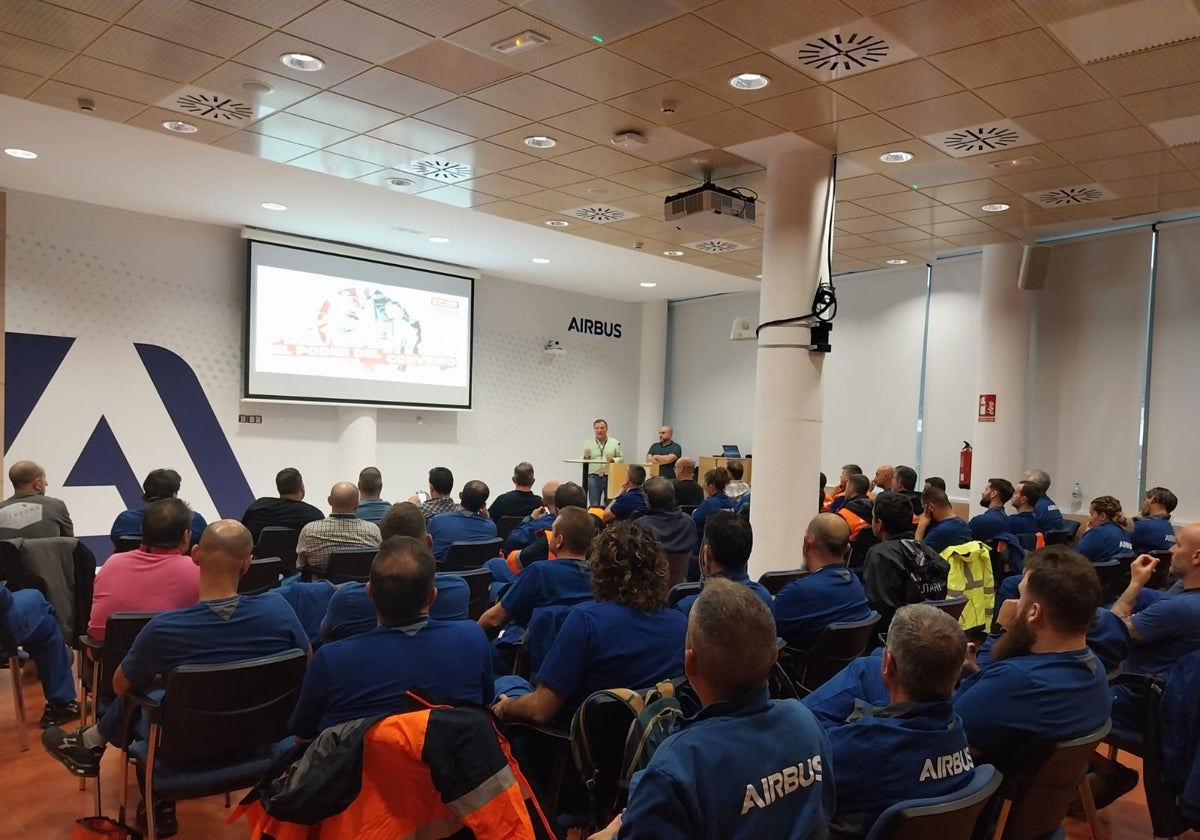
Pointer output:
x,y
998,207
897,262
540,260
179,126
23,154
400,183
749,81
273,205
896,157
647,285
672,253
559,223
539,141
303,62
439,240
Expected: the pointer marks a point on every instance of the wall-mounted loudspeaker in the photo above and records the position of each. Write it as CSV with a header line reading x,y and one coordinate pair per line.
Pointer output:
x,y
1035,265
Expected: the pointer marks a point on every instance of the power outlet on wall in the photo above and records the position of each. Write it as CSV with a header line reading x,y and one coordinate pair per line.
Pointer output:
x,y
249,418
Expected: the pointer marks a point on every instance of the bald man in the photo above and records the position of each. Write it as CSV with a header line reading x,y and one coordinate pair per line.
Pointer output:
x,y
884,477
665,453
222,627
341,529
29,512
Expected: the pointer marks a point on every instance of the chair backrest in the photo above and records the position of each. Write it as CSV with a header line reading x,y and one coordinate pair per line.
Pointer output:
x,y
776,580
215,710
1071,526
688,509
1110,578
677,566
128,542
466,555
263,574
276,541
119,632
1028,541
680,591
1162,572
350,564
1041,798
952,816
506,525
478,582
859,546
951,606
838,644
1062,536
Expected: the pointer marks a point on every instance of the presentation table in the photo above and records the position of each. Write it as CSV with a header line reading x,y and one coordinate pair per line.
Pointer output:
x,y
618,472
707,464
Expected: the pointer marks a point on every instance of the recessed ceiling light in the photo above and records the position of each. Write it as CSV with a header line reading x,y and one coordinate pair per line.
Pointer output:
x,y
558,223
303,62
256,88
540,260
598,191
23,154
998,207
439,240
749,81
540,141
896,157
672,253
273,205
179,126
897,262
400,183
647,285
520,42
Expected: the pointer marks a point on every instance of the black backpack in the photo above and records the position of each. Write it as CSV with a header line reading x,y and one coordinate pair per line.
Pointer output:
x,y
927,572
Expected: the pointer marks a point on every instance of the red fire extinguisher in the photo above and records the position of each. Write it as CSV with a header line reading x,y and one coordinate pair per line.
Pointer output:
x,y
964,467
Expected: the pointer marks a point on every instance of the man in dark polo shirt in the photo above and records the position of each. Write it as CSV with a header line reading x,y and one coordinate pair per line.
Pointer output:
x,y
289,510
665,453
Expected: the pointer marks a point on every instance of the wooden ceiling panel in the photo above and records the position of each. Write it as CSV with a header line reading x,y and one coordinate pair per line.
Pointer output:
x,y
418,134
1131,166
1042,93
355,31
958,23
532,98
108,107
437,19
599,161
115,80
682,46
564,143
18,84
1004,59
472,118
1165,104
1164,67
669,103
265,56
806,108
900,84
273,13
30,56
601,75
335,109
51,25
196,26
1125,141
561,45
1076,121
450,67
151,55
770,23
856,134
728,128
954,111
715,80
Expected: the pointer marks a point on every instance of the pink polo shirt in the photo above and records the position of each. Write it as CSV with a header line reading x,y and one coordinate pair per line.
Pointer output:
x,y
138,581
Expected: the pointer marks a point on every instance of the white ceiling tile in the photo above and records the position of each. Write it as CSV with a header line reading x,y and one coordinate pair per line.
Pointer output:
x,y
199,27
355,31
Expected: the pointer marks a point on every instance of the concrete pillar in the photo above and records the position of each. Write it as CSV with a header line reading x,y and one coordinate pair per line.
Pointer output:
x,y
652,377
787,397
356,441
1004,323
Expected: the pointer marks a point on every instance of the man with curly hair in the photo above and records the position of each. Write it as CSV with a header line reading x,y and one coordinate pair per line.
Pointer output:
x,y
626,638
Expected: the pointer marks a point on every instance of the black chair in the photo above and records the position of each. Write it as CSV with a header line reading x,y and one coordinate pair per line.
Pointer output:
x,y
680,591
1028,541
860,544
350,564
506,525
1071,526
1162,572
478,582
274,541
95,680
264,573
838,645
127,542
688,509
1060,537
951,817
464,556
214,729
953,607
776,580
1040,797
1110,578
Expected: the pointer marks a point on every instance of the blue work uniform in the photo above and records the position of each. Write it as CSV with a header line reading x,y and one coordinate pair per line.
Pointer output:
x,y
990,524
1047,514
458,526
806,606
737,576
1104,542
1023,523
945,533
1152,533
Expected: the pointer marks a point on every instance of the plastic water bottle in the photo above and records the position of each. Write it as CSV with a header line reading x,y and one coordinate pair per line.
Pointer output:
x,y
1077,496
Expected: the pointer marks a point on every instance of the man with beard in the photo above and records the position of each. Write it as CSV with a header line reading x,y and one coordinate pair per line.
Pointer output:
x,y
993,521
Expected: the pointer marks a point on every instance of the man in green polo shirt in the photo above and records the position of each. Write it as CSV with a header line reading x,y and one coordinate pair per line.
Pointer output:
x,y
603,450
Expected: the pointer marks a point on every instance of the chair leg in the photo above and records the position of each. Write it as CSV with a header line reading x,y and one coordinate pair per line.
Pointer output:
x,y
148,793
1089,809
14,672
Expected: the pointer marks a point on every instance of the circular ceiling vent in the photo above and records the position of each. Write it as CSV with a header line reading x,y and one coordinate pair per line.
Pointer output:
x,y
600,214
1070,195
440,169
837,52
214,107
987,139
716,246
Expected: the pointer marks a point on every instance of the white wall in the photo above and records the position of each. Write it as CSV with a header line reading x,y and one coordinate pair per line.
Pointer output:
x,y
110,278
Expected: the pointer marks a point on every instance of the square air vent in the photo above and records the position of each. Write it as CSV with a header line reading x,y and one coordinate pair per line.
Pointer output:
x,y
845,50
715,246
213,106
981,139
600,214
1070,196
437,168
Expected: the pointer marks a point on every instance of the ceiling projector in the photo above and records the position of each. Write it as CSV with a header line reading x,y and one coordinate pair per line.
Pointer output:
x,y
710,210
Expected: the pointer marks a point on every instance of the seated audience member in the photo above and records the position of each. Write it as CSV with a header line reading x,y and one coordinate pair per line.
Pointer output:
x,y
563,580
288,511
342,529
736,488
626,638
157,576
1152,529
368,674
1049,517
568,494
728,540
993,521
470,523
1025,498
885,476
1162,627
631,499
900,570
29,512
939,527
441,486
829,593
856,506
223,627
665,453
521,500
674,528
1107,534
839,492
687,490
540,519
31,621
824,496
371,506
906,485
914,747
351,612
159,484
714,498
934,481
713,776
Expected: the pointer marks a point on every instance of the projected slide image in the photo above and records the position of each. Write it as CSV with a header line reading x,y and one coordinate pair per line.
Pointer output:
x,y
322,325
